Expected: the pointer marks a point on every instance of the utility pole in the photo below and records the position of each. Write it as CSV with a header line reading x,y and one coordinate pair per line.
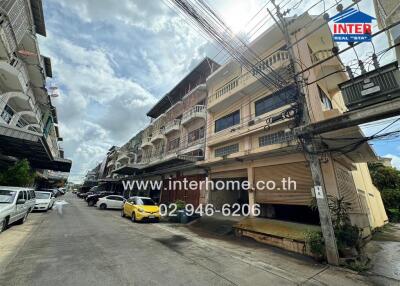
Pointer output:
x,y
311,153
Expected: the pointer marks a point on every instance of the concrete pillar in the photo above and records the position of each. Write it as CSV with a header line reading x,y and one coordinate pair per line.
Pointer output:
x,y
250,178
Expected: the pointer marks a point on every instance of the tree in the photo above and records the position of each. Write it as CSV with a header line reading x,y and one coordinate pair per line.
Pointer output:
x,y
20,175
384,177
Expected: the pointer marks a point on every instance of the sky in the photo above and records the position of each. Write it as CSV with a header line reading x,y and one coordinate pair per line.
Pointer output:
x,y
112,60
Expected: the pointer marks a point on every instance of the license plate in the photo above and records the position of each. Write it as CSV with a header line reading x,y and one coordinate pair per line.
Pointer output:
x,y
151,216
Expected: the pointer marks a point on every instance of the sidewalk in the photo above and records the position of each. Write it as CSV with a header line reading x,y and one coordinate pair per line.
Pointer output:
x,y
296,269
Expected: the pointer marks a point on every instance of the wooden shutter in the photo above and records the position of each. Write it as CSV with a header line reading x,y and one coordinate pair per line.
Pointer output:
x,y
299,172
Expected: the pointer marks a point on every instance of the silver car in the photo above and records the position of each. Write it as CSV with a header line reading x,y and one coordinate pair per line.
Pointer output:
x,y
15,205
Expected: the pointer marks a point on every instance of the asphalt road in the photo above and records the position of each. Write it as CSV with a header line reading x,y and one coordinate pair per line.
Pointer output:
x,y
87,246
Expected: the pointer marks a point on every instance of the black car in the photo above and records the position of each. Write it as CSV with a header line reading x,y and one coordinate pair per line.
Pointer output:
x,y
84,195
92,199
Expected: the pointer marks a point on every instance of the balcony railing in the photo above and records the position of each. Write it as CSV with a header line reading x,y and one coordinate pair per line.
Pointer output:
x,y
158,134
146,141
248,77
18,16
172,126
197,111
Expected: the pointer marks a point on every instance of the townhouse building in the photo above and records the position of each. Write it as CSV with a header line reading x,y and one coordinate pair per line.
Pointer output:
x,y
28,119
249,131
174,141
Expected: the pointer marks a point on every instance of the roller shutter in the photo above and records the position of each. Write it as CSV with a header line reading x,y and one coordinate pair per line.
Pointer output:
x,y
230,174
347,188
299,172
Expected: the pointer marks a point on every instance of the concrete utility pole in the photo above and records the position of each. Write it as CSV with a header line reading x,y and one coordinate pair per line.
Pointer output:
x,y
312,157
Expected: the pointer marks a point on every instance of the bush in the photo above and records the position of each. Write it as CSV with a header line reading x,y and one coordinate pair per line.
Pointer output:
x,y
348,236
315,242
19,175
394,215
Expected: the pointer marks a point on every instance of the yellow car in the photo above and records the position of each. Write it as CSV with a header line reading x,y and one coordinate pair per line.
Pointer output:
x,y
141,208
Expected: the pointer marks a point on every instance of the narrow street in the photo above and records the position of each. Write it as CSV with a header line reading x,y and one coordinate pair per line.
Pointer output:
x,y
87,246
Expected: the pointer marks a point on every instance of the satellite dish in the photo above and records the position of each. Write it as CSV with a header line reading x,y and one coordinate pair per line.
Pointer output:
x,y
54,92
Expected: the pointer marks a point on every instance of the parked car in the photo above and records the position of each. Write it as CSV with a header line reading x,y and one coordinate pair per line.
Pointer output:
x,y
141,208
55,192
44,201
84,195
15,205
92,199
62,191
111,202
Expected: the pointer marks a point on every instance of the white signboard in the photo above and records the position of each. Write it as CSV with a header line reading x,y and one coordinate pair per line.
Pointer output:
x,y
319,194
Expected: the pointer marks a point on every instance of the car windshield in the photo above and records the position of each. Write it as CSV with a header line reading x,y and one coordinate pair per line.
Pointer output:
x,y
145,202
42,195
7,197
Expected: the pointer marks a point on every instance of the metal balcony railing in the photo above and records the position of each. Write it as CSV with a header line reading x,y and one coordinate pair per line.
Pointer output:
x,y
17,14
195,111
320,55
171,125
242,80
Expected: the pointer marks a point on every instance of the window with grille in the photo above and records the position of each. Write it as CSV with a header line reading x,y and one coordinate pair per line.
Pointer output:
x,y
173,144
7,114
226,150
227,121
275,138
278,99
196,134
326,101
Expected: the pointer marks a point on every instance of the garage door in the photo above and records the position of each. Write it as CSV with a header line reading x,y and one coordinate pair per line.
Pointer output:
x,y
298,172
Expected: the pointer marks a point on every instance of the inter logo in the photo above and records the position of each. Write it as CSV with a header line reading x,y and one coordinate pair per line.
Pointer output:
x,y
352,25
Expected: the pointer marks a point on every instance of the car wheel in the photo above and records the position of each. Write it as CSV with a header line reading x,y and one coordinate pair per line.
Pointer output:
x,y
103,206
3,225
22,220
122,213
133,217
90,203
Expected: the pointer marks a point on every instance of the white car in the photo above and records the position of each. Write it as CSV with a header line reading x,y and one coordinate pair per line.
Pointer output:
x,y
111,202
15,205
44,201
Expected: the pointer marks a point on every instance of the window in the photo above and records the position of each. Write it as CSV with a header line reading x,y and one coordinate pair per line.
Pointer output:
x,y
227,121
326,101
226,150
275,138
21,195
145,202
278,99
33,195
196,134
7,114
28,195
173,144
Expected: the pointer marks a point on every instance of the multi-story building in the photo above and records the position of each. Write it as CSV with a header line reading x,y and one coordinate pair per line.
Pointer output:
x,y
128,157
249,130
175,138
388,13
28,120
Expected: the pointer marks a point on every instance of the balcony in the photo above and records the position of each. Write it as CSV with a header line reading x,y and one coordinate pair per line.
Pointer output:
x,y
329,67
171,126
15,76
18,23
146,142
246,83
157,135
197,111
